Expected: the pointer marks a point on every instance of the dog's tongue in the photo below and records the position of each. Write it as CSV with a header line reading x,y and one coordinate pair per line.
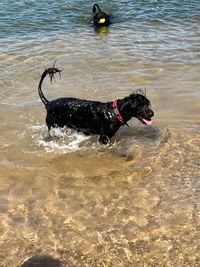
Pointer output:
x,y
147,122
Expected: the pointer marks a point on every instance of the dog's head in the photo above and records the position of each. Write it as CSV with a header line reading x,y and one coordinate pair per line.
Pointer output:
x,y
138,105
100,18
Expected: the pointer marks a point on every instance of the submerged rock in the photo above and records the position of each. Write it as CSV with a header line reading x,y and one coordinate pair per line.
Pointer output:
x,y
41,261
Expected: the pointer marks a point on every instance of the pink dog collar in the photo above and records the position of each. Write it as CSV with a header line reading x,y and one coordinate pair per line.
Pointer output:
x,y
116,110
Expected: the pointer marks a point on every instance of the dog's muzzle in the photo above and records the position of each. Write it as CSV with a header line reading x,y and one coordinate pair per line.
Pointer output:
x,y
146,121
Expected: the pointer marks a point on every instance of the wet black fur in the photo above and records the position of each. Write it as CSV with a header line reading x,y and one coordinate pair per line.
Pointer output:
x,y
100,15
92,117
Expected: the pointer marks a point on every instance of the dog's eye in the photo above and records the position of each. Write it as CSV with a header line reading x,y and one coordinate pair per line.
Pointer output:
x,y
148,104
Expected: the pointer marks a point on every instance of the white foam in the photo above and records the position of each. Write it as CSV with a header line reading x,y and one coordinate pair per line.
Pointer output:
x,y
59,139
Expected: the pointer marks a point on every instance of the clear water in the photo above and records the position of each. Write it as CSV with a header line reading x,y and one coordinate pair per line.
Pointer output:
x,y
135,203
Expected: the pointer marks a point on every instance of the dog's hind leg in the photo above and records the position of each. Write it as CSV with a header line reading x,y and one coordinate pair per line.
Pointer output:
x,y
48,123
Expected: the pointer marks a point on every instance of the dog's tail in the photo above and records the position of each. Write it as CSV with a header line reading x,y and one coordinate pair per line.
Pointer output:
x,y
51,72
94,8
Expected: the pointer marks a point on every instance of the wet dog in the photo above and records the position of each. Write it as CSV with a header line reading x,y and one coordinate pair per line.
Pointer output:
x,y
94,117
101,18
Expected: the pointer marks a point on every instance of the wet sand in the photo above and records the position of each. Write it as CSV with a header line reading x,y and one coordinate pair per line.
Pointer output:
x,y
135,203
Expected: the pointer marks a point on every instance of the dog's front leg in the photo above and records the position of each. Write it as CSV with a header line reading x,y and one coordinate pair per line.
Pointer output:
x,y
104,139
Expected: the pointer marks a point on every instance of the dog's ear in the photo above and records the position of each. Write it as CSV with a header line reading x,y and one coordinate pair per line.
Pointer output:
x,y
142,100
94,8
137,98
132,95
130,100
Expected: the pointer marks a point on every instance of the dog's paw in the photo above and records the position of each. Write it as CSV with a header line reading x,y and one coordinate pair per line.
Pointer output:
x,y
104,140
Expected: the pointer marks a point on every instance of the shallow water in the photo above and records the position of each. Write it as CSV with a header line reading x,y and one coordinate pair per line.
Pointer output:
x,y
135,203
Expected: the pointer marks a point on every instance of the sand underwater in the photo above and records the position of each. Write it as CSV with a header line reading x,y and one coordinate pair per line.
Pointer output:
x,y
135,203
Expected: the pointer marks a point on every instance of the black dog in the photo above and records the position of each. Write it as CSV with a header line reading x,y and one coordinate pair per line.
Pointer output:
x,y
101,18
94,117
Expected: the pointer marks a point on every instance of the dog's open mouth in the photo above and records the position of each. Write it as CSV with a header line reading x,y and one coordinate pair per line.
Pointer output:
x,y
145,121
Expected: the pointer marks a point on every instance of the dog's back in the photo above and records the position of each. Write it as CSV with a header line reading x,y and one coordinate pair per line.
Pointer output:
x,y
80,114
